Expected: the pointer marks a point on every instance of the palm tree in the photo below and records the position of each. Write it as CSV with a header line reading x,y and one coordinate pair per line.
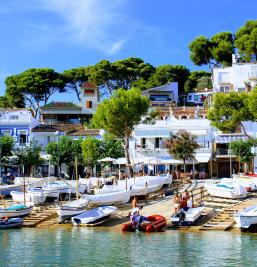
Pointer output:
x,y
182,146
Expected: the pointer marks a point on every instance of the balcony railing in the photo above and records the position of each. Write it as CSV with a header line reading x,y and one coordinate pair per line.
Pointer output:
x,y
252,75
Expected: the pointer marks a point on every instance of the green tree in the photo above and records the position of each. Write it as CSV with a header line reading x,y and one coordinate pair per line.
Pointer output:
x,y
29,156
13,96
246,40
214,52
120,114
120,73
74,78
242,149
112,147
191,82
204,82
164,74
91,151
182,146
6,146
36,86
61,152
229,111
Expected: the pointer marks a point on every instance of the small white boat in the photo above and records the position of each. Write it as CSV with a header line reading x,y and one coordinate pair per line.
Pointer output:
x,y
59,186
15,211
226,190
94,216
36,182
108,198
47,191
246,217
37,197
248,184
188,217
71,208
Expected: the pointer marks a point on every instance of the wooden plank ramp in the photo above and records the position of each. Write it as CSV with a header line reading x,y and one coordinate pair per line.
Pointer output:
x,y
228,207
39,215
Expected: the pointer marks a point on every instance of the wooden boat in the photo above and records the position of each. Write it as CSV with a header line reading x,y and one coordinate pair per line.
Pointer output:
x,y
11,223
36,197
15,211
189,217
246,217
59,186
5,190
226,190
94,216
71,208
157,223
108,198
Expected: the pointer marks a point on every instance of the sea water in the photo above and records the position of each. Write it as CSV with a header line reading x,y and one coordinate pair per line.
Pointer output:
x,y
62,246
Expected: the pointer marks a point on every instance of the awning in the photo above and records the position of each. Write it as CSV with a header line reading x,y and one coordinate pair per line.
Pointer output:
x,y
152,133
203,157
225,139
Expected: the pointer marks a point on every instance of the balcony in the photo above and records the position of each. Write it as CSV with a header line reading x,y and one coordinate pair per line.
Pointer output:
x,y
223,152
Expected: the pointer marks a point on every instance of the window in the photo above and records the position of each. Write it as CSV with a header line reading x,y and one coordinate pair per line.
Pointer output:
x,y
6,132
14,117
48,139
23,137
143,142
89,93
254,72
157,142
190,97
224,88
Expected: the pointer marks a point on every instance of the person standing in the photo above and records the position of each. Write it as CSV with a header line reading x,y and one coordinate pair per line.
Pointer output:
x,y
134,202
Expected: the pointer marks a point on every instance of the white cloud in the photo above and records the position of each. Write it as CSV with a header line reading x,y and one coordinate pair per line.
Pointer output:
x,y
89,23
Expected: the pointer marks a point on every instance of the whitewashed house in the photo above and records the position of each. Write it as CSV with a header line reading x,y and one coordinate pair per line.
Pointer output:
x,y
18,124
148,144
236,77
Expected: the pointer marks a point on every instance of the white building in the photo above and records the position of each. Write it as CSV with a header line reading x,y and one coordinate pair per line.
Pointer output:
x,y
198,96
234,78
148,144
18,124
164,96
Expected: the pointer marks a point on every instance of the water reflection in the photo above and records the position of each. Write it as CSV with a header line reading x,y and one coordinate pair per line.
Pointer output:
x,y
88,247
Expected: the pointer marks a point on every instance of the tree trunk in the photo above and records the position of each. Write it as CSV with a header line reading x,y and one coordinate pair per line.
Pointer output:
x,y
92,170
184,163
246,134
126,149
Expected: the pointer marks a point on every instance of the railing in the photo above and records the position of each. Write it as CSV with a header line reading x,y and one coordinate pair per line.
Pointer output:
x,y
252,75
10,121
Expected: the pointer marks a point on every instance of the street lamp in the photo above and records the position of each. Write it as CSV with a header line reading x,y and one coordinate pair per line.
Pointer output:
x,y
57,133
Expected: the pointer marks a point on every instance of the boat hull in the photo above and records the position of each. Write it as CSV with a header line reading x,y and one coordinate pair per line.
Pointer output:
x,y
214,190
94,216
191,216
11,223
15,213
157,224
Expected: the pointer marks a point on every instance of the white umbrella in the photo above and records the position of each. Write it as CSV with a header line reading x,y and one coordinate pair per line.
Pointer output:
x,y
108,159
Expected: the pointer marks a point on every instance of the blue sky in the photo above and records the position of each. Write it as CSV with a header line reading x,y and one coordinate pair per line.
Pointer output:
x,y
63,34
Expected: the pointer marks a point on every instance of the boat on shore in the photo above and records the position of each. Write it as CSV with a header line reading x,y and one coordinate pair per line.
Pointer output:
x,y
36,197
11,223
36,182
187,217
71,208
248,184
246,217
94,216
155,223
226,190
15,211
109,198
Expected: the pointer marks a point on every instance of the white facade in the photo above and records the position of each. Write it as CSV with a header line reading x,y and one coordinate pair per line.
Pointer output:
x,y
148,141
198,98
234,78
17,124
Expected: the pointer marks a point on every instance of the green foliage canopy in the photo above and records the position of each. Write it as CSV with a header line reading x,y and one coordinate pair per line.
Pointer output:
x,y
182,146
6,146
246,40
